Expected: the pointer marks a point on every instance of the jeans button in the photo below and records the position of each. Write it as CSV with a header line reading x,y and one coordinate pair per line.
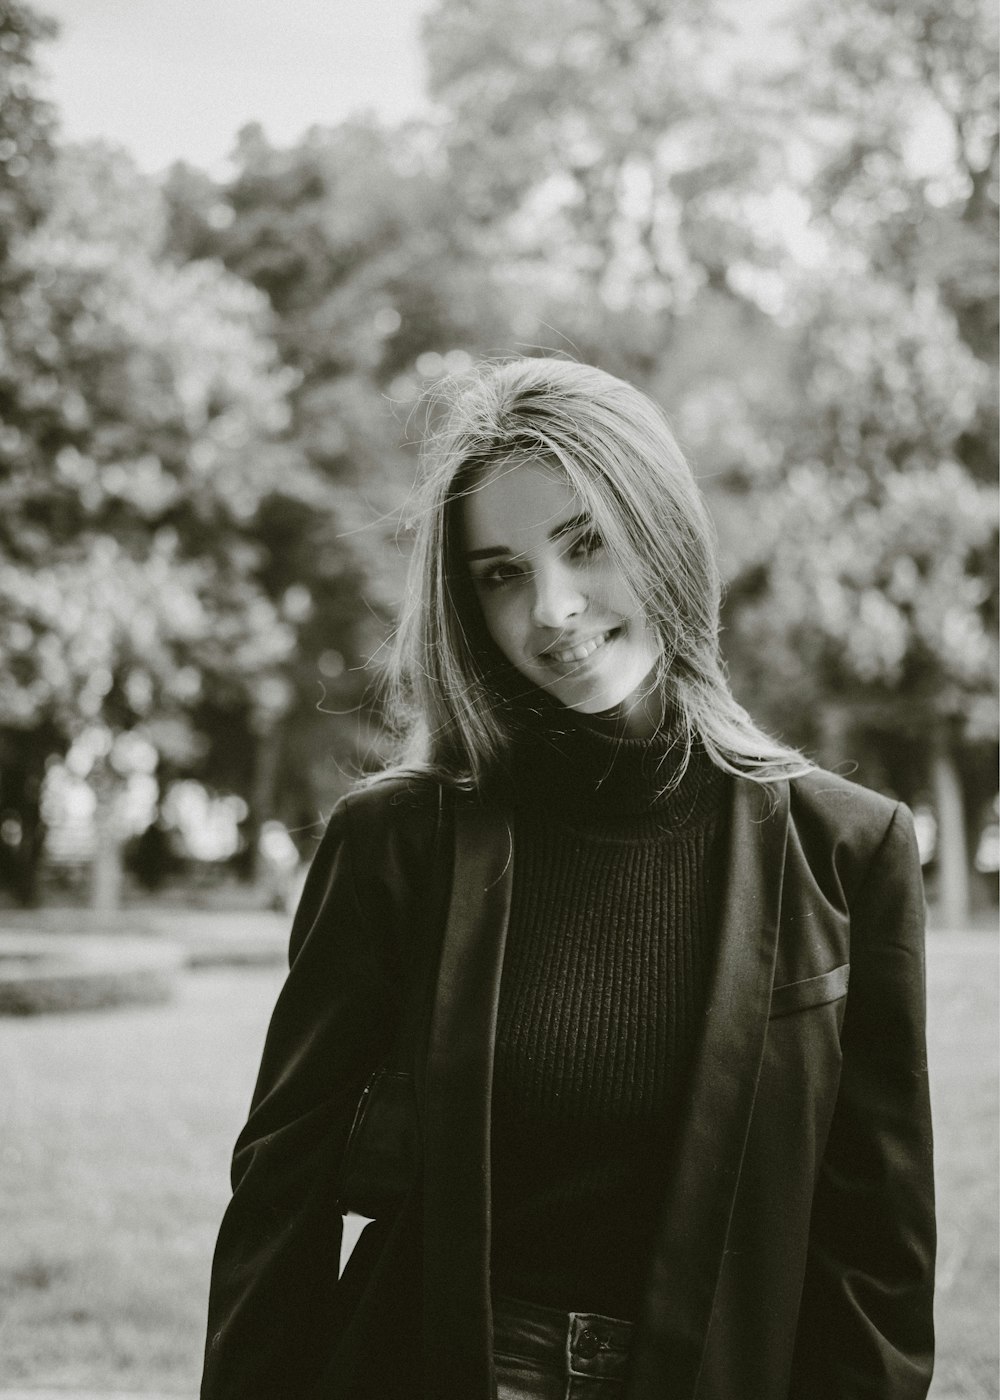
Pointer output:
x,y
588,1344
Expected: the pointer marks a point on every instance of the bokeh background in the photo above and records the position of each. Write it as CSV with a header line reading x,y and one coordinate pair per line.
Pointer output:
x,y
217,326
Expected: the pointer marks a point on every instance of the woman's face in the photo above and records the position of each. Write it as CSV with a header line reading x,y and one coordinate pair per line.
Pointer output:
x,y
554,603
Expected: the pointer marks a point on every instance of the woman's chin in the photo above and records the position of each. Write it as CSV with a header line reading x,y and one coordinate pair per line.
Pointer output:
x,y
637,714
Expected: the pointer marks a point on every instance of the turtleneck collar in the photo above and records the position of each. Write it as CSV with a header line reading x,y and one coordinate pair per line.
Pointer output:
x,y
582,770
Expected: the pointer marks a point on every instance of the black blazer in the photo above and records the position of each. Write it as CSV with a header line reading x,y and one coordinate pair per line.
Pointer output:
x,y
794,1257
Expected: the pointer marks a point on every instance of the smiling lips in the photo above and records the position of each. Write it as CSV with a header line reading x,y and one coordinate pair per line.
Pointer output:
x,y
564,656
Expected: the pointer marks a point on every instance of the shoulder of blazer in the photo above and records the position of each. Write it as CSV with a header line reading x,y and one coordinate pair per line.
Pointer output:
x,y
396,835
399,808
395,801
839,826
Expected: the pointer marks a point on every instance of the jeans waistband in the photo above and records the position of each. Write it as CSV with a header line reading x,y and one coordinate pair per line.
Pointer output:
x,y
587,1343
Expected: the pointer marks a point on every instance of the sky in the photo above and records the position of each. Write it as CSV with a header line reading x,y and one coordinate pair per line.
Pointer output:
x,y
176,79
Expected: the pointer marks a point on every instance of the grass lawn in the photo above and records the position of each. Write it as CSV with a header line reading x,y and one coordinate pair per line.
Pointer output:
x,y
115,1133
962,1034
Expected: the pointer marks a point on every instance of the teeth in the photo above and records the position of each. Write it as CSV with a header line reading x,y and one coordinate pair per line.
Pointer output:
x,y
581,652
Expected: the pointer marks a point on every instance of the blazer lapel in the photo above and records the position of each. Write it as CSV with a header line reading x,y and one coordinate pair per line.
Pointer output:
x,y
457,1322
691,1238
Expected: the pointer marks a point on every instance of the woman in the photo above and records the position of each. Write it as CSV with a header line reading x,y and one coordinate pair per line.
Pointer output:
x,y
670,1072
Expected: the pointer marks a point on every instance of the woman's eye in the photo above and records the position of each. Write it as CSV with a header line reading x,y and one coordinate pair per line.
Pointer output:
x,y
498,576
587,543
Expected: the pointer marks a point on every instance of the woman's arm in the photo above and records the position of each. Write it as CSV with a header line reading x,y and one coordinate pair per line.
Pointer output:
x,y
866,1327
276,1261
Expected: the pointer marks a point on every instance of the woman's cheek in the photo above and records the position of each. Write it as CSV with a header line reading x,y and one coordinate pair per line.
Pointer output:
x,y
512,633
496,611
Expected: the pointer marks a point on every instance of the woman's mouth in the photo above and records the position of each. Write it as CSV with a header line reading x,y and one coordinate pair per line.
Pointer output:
x,y
566,656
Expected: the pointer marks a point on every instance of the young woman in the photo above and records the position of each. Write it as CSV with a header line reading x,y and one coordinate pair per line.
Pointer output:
x,y
671,1094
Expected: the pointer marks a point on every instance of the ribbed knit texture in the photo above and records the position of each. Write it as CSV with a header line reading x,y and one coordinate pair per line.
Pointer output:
x,y
608,954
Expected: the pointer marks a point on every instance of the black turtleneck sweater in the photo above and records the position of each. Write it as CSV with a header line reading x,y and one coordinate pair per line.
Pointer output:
x,y
609,948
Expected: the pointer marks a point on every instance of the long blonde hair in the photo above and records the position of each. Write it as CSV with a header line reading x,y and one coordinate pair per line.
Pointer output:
x,y
618,452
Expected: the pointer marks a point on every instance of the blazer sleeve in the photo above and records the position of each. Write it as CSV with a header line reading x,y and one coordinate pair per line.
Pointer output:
x,y
276,1261
865,1327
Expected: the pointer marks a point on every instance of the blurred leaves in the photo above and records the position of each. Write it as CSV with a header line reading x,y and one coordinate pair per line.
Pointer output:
x,y
874,582
886,592
210,391
143,407
26,122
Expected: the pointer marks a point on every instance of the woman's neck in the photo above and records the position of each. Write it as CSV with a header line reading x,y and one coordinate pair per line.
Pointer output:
x,y
641,715
592,768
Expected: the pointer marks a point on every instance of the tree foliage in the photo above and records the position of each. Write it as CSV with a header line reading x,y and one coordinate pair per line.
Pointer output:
x,y
881,521
873,594
597,134
210,391
901,135
26,122
142,408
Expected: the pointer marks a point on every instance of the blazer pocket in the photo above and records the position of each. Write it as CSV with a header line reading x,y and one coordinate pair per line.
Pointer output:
x,y
813,991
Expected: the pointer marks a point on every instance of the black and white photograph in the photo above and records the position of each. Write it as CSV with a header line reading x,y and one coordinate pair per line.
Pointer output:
x,y
499,727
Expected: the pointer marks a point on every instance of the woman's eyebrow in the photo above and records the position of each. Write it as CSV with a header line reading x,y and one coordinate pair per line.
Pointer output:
x,y
492,551
576,522
565,527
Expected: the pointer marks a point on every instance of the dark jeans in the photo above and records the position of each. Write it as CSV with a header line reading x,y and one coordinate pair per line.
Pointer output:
x,y
543,1354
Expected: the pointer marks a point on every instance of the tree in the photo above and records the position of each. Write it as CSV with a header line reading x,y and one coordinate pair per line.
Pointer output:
x,y
876,574
143,406
898,142
610,163
26,122
878,546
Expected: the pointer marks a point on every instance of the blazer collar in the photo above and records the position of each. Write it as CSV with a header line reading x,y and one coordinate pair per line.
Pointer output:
x,y
457,1319
698,1203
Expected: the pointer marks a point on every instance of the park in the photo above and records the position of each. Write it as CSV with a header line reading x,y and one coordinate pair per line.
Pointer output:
x,y
782,227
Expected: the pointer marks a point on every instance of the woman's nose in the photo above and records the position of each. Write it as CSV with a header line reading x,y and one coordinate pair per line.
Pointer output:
x,y
557,597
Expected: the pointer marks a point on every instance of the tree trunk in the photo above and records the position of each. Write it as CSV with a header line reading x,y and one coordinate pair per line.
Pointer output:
x,y
22,770
265,780
952,839
107,869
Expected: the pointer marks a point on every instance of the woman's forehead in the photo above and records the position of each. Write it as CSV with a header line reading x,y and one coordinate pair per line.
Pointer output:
x,y
518,502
